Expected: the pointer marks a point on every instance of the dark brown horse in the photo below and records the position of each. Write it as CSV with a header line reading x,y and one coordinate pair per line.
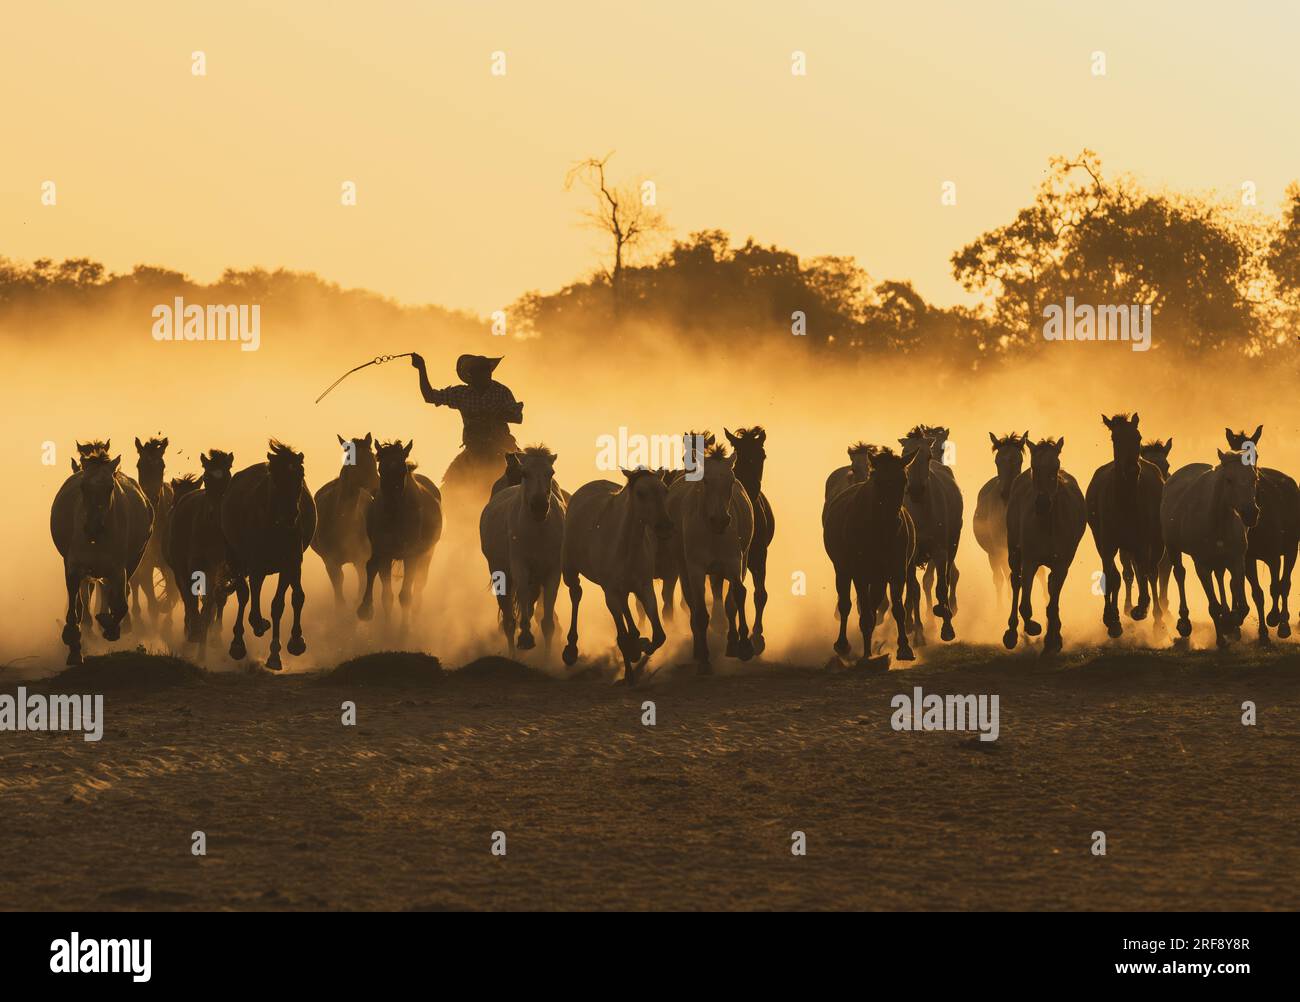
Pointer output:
x,y
934,501
268,518
1156,453
869,536
341,512
750,459
1273,539
990,521
857,472
151,466
1123,500
403,523
1045,521
196,551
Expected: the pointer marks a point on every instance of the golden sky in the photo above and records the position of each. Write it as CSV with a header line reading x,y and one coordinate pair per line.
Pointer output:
x,y
460,173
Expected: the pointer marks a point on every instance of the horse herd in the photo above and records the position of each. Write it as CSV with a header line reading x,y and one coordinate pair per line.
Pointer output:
x,y
887,517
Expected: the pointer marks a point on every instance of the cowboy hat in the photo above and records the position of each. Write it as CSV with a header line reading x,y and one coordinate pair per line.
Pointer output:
x,y
470,365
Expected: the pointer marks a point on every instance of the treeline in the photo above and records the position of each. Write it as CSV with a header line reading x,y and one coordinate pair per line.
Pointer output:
x,y
1220,276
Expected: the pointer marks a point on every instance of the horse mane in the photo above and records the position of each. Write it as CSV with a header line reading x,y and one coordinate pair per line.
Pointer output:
x,y
716,451
744,432
539,450
925,431
99,457
156,441
1008,439
279,450
857,448
1153,443
88,448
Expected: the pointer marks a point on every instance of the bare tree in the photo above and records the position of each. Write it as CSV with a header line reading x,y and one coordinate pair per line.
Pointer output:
x,y
622,212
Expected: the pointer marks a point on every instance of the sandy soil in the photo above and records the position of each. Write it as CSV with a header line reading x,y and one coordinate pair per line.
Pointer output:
x,y
601,812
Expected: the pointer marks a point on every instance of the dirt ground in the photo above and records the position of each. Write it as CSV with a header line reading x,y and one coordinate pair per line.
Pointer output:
x,y
697,812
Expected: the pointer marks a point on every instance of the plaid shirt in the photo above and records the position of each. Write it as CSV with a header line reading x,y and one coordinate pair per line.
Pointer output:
x,y
485,411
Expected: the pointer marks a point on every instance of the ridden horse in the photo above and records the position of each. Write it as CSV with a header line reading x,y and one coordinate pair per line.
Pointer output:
x,y
857,472
521,533
341,514
150,467
100,522
195,548
609,537
750,458
1046,517
1273,539
1123,500
870,538
934,502
1207,512
713,527
403,522
268,518
990,521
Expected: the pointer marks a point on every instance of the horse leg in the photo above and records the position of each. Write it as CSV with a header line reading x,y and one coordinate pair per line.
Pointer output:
x,y
1055,580
386,587
1217,610
618,609
574,583
335,571
693,581
255,620
1145,581
1251,569
366,610
899,602
953,575
943,588
1110,578
843,582
719,615
1284,616
526,595
1126,563
1184,625
914,607
737,625
237,649
72,621
868,599
1274,563
1012,635
670,585
646,595
1150,573
927,583
549,590
1027,574
115,600
999,574
297,645
758,570
277,610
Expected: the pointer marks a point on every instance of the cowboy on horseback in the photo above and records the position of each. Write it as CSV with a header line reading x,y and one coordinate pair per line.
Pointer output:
x,y
487,408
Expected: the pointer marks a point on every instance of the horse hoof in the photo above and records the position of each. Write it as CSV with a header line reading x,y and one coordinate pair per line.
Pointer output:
x,y
71,633
1184,627
74,658
946,632
1009,639
1032,628
758,642
570,654
273,662
1271,619
1138,614
365,613
526,642
1115,631
1264,640
905,654
1283,629
647,646
1051,644
259,626
237,650
842,648
733,648
880,663
112,631
296,646
746,649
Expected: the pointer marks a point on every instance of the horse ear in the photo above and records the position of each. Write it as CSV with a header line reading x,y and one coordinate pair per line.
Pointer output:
x,y
165,443
1227,433
114,464
1222,457
1134,419
1060,445
1169,445
1024,439
367,438
342,440
138,446
627,473
761,437
1258,432
203,459
994,439
407,450
1105,420
730,437
903,442
74,465
555,459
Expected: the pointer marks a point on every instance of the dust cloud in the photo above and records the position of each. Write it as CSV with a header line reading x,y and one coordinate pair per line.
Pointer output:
x,y
70,378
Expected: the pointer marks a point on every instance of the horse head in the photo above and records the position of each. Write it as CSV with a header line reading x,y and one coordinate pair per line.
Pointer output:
x,y
216,471
287,474
359,471
719,481
648,498
394,468
150,465
1045,469
1238,439
1240,478
889,476
1009,457
536,477
1157,453
918,470
1125,439
750,454
860,454
98,480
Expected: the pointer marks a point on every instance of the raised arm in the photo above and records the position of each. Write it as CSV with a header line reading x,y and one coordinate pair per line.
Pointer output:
x,y
431,396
